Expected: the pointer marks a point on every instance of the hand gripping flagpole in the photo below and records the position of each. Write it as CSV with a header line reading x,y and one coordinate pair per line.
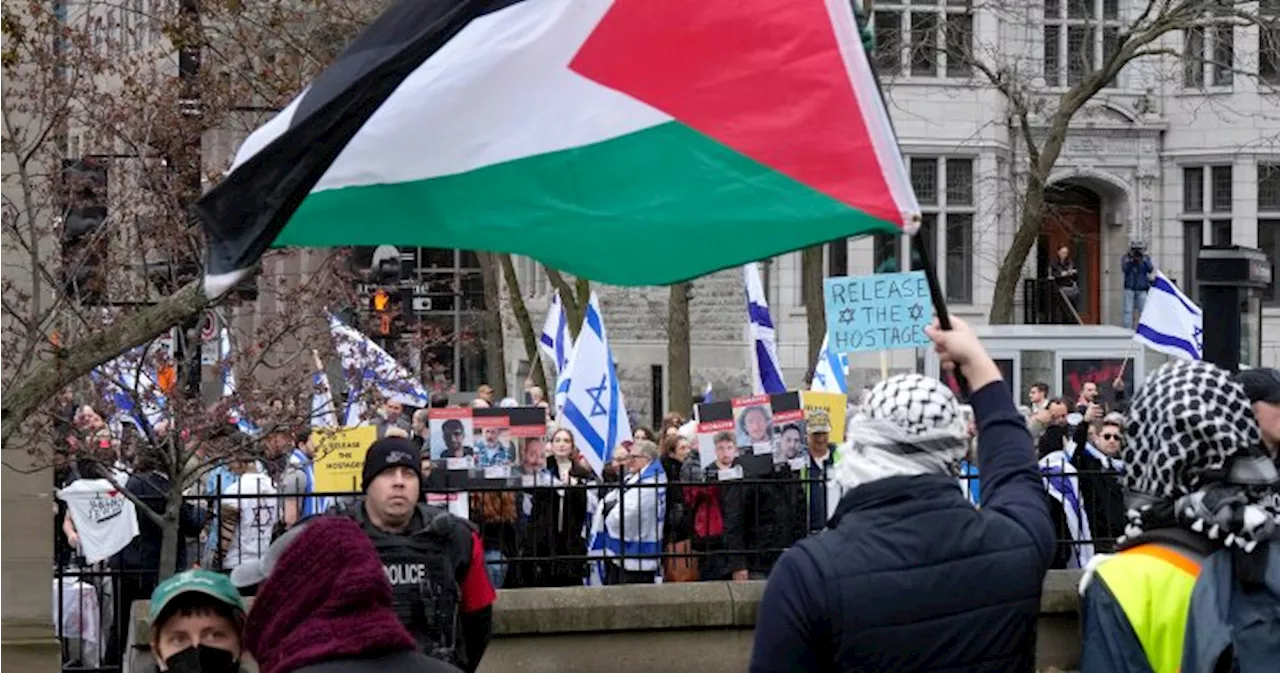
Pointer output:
x,y
917,243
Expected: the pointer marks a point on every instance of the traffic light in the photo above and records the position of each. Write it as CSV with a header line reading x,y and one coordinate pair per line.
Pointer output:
x,y
381,303
84,241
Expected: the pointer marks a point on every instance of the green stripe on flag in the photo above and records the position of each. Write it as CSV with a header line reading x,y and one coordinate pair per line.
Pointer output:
x,y
573,208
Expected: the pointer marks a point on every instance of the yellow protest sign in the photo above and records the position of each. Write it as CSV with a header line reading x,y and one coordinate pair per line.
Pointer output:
x,y
340,457
835,404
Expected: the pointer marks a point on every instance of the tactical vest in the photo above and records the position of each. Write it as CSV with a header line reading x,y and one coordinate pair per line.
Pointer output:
x,y
1153,583
425,566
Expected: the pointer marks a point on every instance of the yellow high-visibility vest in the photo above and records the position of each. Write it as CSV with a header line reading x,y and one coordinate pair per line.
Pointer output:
x,y
1153,584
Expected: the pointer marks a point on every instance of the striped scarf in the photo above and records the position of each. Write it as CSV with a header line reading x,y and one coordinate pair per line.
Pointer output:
x,y
885,449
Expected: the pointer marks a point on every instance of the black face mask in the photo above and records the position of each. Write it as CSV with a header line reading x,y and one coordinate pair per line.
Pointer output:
x,y
203,659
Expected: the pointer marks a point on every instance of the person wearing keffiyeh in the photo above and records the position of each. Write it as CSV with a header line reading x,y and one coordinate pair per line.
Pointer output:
x,y
909,575
1195,583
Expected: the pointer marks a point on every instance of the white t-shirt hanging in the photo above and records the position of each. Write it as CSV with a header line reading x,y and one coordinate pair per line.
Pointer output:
x,y
258,517
105,519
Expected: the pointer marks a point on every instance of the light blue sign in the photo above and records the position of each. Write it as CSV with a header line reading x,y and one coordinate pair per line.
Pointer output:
x,y
883,311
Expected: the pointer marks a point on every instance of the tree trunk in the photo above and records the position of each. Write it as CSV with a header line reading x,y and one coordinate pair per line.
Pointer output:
x,y
1024,239
524,322
495,356
169,539
573,312
679,360
811,278
583,287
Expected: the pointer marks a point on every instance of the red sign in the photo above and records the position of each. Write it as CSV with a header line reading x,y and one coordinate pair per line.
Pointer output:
x,y
716,426
753,401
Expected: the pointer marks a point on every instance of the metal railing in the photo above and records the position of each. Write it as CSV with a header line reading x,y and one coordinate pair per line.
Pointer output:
x,y
541,535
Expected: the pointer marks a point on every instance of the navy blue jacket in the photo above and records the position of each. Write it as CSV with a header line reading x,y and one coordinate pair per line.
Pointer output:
x,y
909,576
1137,273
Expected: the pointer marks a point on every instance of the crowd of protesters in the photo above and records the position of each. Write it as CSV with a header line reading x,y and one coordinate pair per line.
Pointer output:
x,y
862,543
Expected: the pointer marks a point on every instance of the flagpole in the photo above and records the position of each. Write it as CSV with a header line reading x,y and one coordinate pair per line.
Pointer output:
x,y
926,260
939,299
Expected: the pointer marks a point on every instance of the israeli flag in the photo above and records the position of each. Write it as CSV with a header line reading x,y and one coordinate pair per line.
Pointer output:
x,y
558,345
132,389
708,394
371,366
766,373
1171,323
555,340
323,412
593,407
830,372
229,386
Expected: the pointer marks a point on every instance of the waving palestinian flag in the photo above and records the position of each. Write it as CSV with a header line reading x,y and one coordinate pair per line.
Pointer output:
x,y
577,132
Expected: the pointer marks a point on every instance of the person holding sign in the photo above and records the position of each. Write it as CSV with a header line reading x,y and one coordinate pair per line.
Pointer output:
x,y
869,593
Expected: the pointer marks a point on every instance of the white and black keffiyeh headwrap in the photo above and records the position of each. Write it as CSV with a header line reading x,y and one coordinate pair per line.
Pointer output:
x,y
909,425
1186,423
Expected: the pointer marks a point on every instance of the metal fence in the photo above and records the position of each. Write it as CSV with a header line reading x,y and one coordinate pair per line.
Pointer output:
x,y
540,535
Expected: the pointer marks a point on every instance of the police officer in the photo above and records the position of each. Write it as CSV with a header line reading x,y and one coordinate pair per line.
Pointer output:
x,y
434,560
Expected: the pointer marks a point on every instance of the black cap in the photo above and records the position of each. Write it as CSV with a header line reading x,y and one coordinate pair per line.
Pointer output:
x,y
387,453
1260,385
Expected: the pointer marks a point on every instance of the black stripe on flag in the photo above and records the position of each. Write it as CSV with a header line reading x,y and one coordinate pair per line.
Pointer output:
x,y
244,213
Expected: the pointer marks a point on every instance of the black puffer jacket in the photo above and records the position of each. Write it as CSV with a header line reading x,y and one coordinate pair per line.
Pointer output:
x,y
763,516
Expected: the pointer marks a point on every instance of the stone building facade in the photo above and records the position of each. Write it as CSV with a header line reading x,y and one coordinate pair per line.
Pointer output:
x,y
1176,152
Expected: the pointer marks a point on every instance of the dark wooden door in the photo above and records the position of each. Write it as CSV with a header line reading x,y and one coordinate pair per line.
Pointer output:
x,y
1075,220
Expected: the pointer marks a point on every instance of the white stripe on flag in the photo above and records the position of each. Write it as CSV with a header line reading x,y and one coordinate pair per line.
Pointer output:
x,y
375,367
1171,323
829,374
766,372
594,410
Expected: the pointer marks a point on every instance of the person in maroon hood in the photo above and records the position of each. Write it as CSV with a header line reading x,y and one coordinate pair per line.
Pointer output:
x,y
323,605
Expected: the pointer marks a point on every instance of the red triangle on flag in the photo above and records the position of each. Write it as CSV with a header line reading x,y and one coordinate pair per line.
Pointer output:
x,y
763,77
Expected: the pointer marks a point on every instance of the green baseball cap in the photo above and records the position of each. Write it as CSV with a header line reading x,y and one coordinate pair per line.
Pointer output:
x,y
214,585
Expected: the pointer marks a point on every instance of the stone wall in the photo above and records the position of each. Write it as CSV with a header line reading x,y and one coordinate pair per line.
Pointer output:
x,y
701,627
29,640
636,320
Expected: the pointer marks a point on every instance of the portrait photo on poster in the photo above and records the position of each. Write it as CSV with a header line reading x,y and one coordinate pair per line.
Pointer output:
x,y
533,454
491,442
717,441
451,432
754,422
792,441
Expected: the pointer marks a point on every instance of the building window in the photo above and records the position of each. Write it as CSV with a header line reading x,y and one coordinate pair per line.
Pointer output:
x,y
838,258
924,38
1221,189
944,188
1206,205
1269,187
1192,241
886,254
1208,55
1269,223
1079,35
1269,242
1269,42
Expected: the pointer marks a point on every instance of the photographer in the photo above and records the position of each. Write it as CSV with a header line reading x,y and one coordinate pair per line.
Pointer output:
x,y
1137,269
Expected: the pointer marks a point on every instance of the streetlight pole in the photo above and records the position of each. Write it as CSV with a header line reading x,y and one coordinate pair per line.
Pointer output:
x,y
189,165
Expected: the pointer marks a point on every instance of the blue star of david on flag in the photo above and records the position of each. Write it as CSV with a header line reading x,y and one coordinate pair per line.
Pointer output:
x,y
593,407
1171,323
597,407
